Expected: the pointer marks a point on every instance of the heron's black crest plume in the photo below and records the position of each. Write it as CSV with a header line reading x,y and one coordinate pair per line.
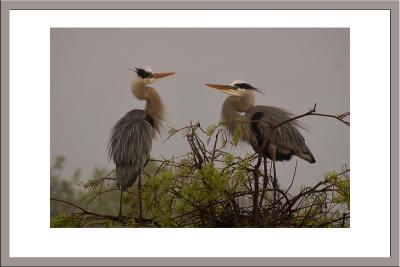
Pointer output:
x,y
143,74
246,86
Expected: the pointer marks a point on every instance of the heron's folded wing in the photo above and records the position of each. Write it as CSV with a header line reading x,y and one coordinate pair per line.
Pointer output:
x,y
131,140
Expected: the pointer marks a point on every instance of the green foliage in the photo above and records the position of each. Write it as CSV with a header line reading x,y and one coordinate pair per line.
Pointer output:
x,y
62,188
207,187
237,135
63,221
342,184
343,191
210,130
330,176
228,160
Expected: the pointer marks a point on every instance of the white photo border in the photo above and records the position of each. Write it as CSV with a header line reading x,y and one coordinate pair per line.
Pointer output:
x,y
30,96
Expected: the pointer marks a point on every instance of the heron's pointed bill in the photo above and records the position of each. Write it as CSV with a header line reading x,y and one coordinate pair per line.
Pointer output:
x,y
160,75
228,89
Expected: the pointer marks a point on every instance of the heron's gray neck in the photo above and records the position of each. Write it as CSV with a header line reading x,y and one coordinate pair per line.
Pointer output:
x,y
231,114
234,105
154,106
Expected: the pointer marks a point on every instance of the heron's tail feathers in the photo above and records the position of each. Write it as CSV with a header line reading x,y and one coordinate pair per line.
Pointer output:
x,y
308,156
126,176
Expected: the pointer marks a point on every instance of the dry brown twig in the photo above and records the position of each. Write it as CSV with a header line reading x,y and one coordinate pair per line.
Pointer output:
x,y
241,203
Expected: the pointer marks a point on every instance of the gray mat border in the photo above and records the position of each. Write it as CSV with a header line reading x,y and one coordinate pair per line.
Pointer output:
x,y
393,6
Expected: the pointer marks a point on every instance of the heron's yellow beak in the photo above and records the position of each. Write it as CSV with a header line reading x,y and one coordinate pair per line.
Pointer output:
x,y
227,89
162,75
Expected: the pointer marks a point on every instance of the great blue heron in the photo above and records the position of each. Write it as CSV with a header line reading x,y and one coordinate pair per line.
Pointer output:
x,y
131,139
257,124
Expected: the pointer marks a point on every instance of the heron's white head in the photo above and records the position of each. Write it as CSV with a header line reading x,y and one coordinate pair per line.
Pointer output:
x,y
237,88
148,76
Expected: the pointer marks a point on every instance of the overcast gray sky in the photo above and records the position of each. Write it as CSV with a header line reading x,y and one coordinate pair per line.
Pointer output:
x,y
90,86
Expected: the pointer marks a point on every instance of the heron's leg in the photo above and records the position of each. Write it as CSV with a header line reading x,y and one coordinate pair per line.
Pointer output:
x,y
140,197
265,173
272,153
140,191
275,181
120,205
265,181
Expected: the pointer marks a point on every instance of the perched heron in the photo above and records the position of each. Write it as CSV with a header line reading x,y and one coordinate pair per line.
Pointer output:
x,y
257,124
131,139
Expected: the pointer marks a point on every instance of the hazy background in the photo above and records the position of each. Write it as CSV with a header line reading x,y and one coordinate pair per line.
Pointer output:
x,y
90,87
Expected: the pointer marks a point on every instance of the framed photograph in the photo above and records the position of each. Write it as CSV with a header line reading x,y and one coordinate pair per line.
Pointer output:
x,y
198,133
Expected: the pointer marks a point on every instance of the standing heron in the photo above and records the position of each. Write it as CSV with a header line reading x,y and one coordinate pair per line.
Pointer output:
x,y
257,125
131,139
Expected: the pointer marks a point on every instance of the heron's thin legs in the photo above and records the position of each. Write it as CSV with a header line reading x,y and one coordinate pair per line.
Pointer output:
x,y
140,198
275,181
265,181
265,173
272,153
120,205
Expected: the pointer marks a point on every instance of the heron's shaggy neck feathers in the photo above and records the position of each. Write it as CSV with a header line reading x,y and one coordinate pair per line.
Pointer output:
x,y
154,106
231,113
234,105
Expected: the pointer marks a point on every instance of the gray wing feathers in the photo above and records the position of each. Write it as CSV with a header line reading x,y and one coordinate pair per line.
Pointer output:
x,y
287,137
129,146
126,176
